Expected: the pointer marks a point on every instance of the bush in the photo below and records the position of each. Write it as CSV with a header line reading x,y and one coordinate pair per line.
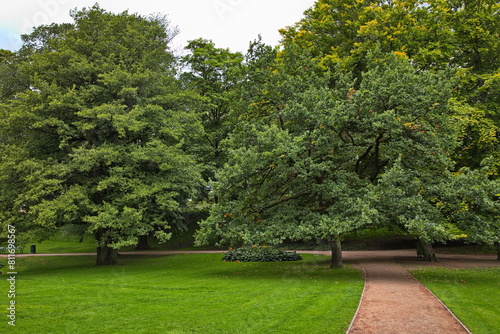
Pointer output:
x,y
260,254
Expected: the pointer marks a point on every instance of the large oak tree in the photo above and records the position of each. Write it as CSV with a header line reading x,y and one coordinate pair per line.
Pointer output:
x,y
327,162
98,135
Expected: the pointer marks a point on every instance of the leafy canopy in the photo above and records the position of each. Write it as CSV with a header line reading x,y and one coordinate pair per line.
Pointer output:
x,y
100,134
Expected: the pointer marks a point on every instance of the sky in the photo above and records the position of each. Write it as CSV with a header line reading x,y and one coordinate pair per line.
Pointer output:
x,y
229,24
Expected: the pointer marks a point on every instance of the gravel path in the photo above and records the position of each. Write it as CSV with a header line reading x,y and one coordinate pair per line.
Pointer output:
x,y
395,302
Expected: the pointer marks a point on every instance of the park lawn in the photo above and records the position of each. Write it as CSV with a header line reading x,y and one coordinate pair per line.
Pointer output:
x,y
195,293
473,295
71,243
63,243
58,246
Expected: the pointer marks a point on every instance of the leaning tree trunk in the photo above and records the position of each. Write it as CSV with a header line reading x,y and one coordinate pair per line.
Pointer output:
x,y
336,253
142,243
425,248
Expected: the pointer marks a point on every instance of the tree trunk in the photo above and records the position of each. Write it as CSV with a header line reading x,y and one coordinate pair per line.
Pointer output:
x,y
498,251
106,256
336,253
425,250
142,243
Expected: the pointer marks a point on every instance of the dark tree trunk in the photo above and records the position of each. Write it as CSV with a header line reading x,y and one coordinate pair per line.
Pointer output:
x,y
336,253
106,256
142,243
424,249
498,251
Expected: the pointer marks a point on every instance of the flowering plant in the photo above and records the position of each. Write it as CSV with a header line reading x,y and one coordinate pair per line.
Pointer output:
x,y
260,254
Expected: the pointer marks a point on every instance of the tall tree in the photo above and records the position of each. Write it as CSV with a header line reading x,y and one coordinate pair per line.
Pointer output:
x,y
99,137
320,165
214,73
434,35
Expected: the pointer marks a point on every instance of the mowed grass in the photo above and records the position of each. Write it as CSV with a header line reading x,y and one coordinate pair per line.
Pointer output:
x,y
195,293
63,243
473,295
57,246
70,243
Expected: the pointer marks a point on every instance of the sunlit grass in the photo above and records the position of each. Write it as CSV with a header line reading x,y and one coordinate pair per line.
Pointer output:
x,y
472,295
181,294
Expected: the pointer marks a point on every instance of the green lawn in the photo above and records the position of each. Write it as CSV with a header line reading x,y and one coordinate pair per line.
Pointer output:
x,y
59,245
195,293
473,295
70,243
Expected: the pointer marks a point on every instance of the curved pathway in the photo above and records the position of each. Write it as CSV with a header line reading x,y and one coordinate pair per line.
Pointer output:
x,y
395,302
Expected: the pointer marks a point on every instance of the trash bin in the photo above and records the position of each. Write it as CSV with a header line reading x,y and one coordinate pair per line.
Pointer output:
x,y
33,249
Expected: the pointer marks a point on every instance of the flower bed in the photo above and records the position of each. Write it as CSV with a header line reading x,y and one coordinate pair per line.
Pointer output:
x,y
260,254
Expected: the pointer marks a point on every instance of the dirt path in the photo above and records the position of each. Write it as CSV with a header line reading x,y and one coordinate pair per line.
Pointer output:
x,y
153,253
393,302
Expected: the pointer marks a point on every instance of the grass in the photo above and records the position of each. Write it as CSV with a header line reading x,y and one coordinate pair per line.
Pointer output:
x,y
59,244
69,242
471,294
196,293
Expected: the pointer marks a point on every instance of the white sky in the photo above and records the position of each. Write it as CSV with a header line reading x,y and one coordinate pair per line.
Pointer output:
x,y
229,23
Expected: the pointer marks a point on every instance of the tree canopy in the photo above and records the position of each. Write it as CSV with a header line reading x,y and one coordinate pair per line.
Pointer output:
x,y
214,73
99,134
332,161
367,116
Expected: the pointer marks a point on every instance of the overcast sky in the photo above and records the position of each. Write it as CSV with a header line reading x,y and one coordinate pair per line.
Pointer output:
x,y
229,23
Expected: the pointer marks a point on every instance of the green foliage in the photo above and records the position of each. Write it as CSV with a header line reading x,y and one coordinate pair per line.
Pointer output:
x,y
260,254
213,73
431,33
101,134
370,115
473,205
434,35
331,161
359,121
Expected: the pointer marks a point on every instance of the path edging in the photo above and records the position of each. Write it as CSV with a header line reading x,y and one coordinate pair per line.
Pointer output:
x,y
440,301
360,301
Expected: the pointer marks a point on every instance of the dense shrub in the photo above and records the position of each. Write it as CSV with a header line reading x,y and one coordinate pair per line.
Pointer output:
x,y
260,254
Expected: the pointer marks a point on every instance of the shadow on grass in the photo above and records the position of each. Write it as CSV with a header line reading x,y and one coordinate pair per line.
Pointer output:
x,y
42,265
199,266
311,268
